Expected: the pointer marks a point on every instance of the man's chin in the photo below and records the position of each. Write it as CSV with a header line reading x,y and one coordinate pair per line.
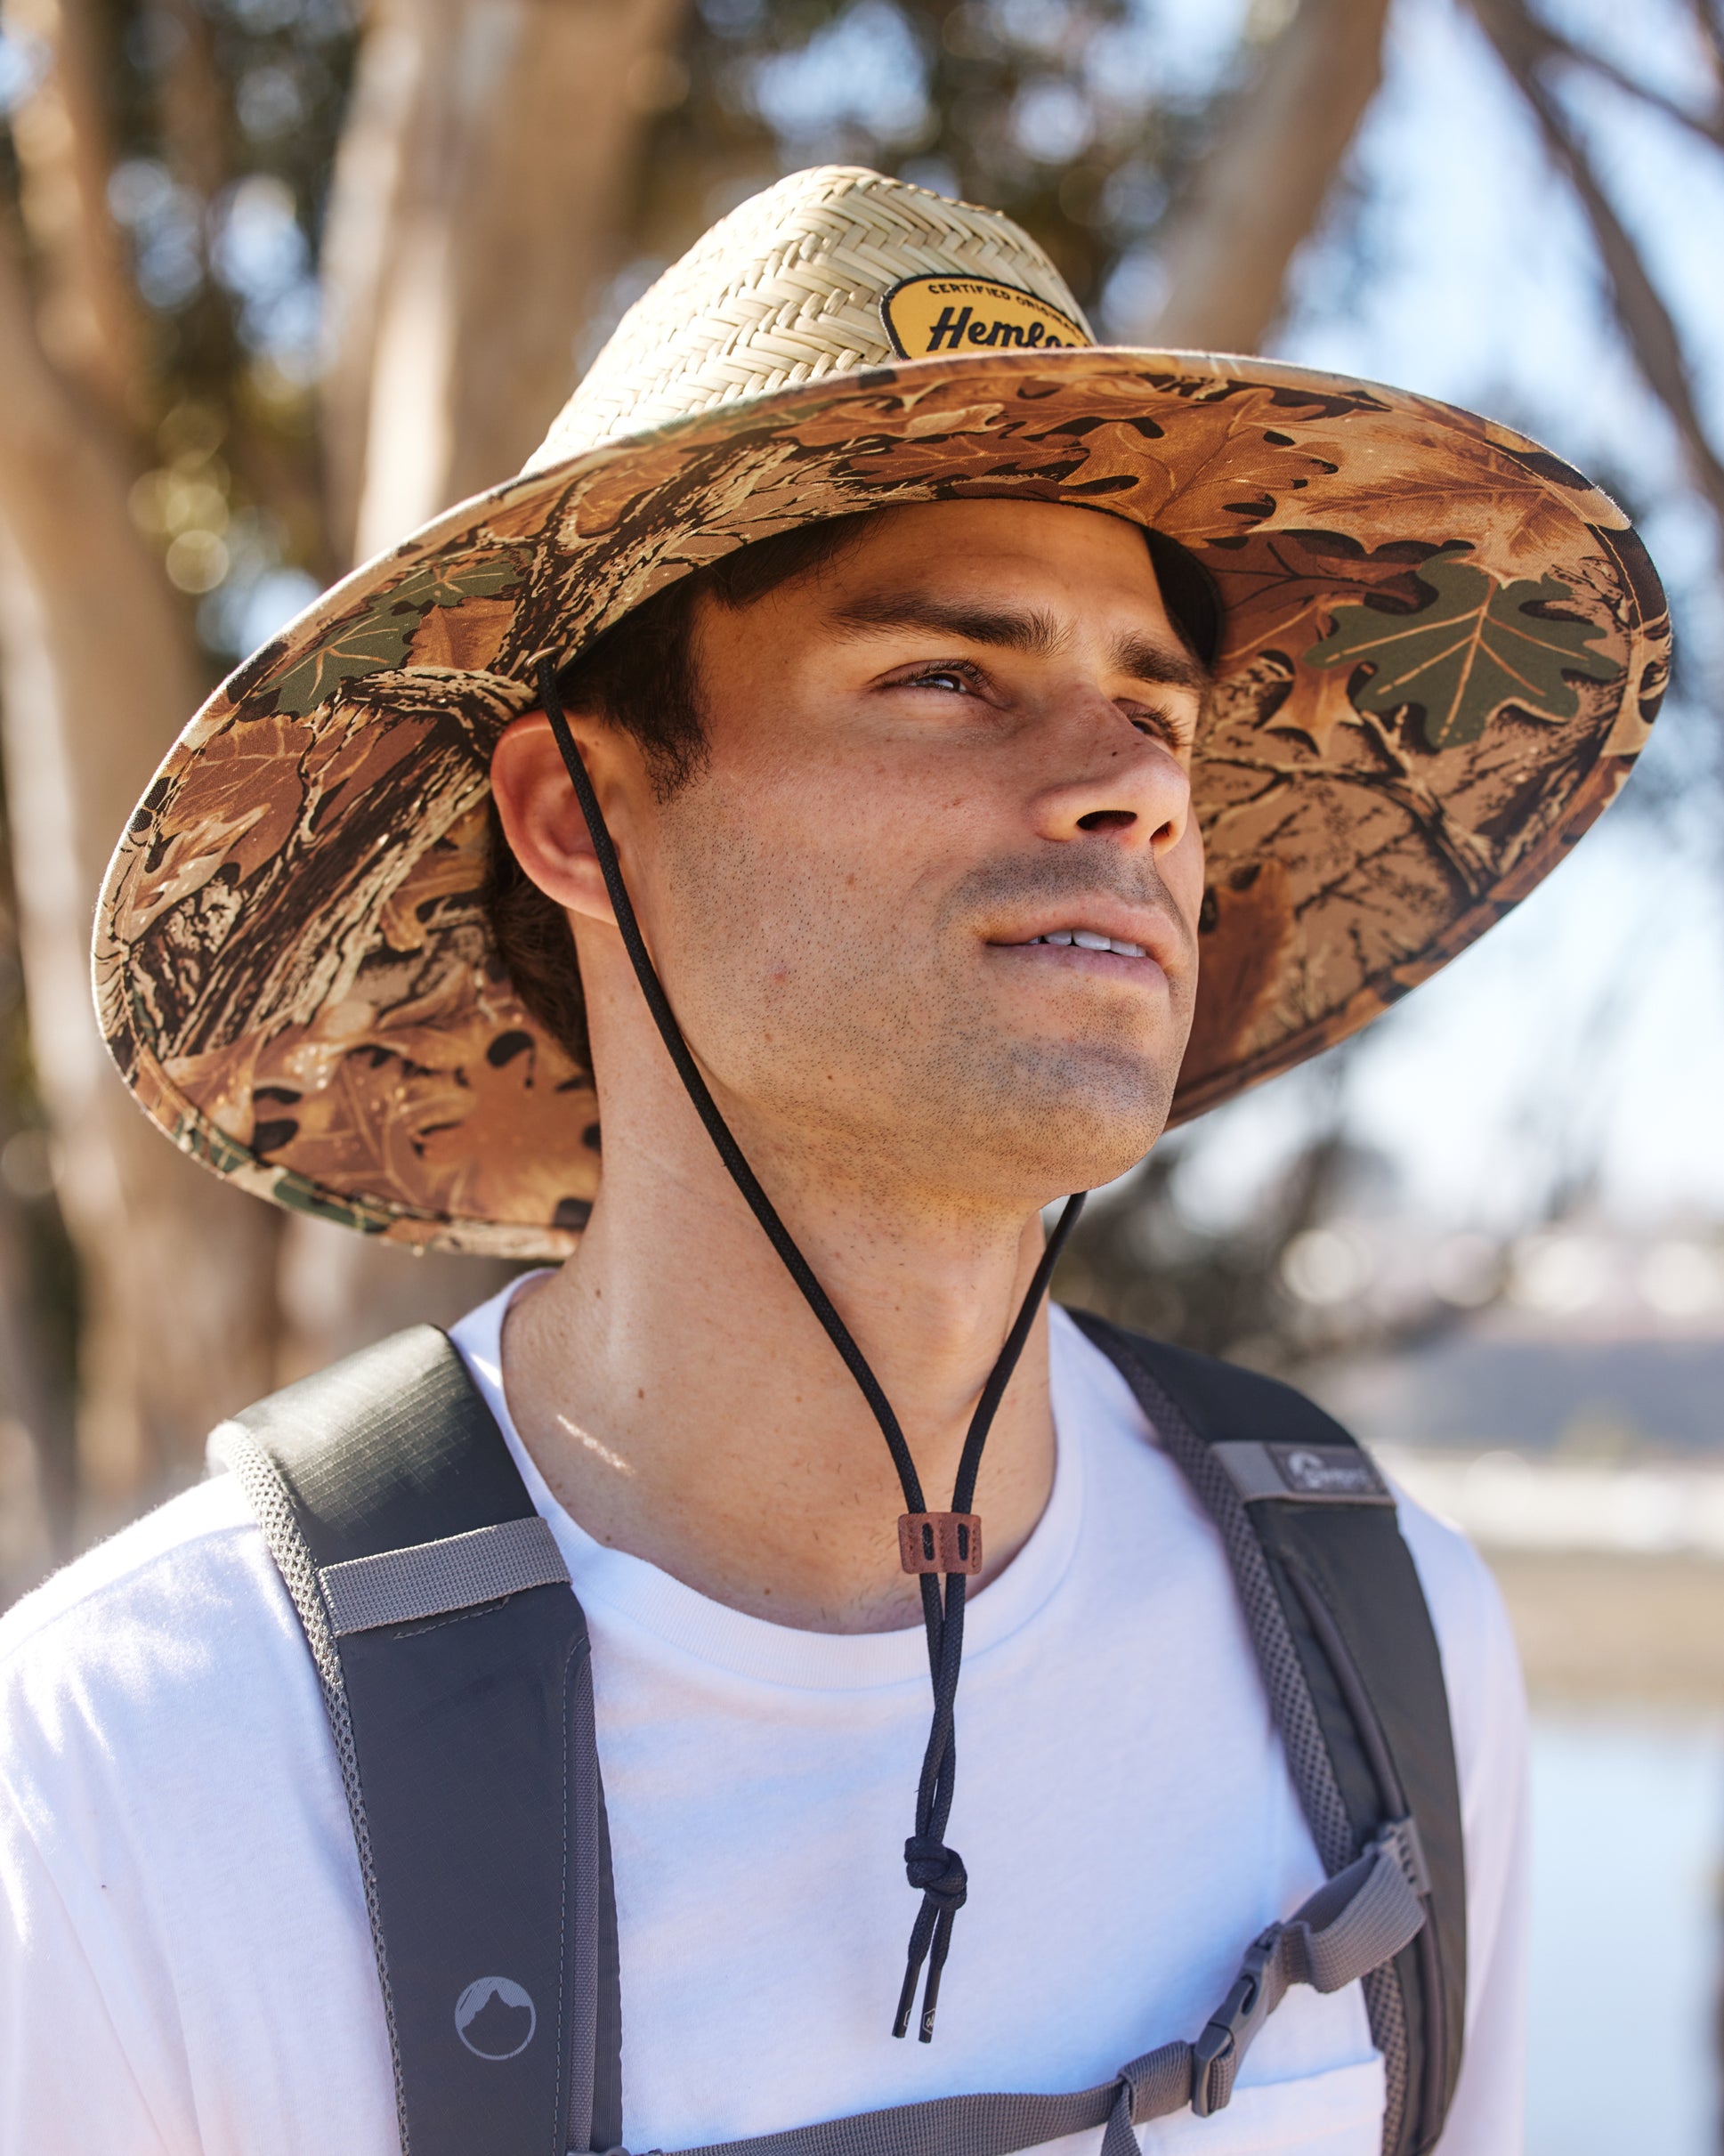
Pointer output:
x,y
1065,1117
974,1118
1055,1169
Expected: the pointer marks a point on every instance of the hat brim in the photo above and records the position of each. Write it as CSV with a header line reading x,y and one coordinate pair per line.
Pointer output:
x,y
1442,649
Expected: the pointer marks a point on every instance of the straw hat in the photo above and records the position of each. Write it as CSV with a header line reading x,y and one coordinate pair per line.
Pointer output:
x,y
1441,651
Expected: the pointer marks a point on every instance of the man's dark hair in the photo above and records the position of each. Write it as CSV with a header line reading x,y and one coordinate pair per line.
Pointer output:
x,y
641,673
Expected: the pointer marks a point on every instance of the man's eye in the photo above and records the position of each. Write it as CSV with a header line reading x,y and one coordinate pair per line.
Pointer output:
x,y
958,678
1162,728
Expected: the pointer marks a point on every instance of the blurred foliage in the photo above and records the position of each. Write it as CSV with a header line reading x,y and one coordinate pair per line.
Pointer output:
x,y
1141,1257
221,119
1074,116
224,116
1077,116
39,1301
1315,1268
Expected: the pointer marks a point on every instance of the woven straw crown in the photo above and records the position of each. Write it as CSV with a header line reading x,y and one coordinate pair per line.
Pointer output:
x,y
788,289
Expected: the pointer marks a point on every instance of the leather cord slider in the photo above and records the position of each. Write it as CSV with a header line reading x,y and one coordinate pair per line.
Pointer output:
x,y
940,1542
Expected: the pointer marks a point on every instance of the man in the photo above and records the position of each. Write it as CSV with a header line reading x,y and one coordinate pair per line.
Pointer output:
x,y
814,754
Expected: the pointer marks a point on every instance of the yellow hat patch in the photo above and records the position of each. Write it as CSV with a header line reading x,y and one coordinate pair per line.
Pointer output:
x,y
927,315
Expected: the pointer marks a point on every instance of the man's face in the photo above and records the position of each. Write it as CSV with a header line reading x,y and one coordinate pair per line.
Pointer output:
x,y
941,769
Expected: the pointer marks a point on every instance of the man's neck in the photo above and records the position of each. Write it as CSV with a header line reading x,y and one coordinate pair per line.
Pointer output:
x,y
683,1401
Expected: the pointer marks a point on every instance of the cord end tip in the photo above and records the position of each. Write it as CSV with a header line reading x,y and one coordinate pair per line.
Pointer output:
x,y
931,1989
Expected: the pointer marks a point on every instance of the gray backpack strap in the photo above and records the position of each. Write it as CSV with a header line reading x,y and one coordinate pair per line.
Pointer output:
x,y
1351,1665
453,1663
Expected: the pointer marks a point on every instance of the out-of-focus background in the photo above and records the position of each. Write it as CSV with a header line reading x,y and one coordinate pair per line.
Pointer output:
x,y
280,278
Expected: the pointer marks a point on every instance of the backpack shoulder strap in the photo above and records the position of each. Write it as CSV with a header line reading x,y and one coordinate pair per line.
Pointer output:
x,y
1350,1661
453,1663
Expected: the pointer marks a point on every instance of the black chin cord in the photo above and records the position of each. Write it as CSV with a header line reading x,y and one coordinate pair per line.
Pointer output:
x,y
930,1866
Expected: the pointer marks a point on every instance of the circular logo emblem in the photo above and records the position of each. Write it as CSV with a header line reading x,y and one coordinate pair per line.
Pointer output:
x,y
495,2018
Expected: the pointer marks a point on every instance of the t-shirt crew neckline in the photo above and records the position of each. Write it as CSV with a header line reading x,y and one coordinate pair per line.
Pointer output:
x,y
621,1589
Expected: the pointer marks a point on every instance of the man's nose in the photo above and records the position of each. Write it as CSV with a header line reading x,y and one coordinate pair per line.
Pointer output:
x,y
1111,773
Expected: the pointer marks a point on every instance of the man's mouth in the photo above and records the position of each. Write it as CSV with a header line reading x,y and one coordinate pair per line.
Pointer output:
x,y
1088,939
1097,933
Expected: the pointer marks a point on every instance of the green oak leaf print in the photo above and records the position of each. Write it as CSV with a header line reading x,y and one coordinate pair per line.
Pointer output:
x,y
381,638
449,583
366,646
1473,650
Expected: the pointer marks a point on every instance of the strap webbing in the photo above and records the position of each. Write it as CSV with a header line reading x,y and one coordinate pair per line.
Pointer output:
x,y
1352,1924
435,1579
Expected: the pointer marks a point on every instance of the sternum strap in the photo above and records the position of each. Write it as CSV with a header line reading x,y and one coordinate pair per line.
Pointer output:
x,y
1354,1923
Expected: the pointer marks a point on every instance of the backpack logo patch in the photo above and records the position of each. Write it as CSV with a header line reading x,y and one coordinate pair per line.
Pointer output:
x,y
925,316
495,2018
1327,1470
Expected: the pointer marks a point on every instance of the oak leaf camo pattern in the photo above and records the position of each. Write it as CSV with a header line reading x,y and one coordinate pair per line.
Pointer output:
x,y
1442,649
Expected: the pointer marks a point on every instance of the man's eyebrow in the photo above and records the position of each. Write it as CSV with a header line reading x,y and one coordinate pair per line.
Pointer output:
x,y
1037,635
1149,660
1008,628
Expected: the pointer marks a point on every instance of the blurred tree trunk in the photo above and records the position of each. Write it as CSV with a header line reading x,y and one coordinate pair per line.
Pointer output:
x,y
98,678
481,191
1260,191
38,1474
86,316
483,183
98,675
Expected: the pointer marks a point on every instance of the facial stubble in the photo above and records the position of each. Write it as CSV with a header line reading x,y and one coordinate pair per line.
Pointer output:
x,y
891,1052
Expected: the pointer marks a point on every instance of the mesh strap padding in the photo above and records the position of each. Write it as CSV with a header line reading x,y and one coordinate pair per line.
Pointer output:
x,y
235,1449
432,1579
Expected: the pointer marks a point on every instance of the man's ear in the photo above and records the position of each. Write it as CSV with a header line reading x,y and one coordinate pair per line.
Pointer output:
x,y
541,817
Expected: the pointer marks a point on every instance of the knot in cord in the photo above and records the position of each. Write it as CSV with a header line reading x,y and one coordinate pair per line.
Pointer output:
x,y
936,1870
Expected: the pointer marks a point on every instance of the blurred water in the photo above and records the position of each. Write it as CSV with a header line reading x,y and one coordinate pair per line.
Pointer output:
x,y
1628,1936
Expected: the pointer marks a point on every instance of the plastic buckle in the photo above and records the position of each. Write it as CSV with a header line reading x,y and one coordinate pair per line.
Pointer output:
x,y
1229,2032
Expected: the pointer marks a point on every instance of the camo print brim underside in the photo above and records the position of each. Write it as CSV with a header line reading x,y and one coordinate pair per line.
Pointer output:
x,y
1443,650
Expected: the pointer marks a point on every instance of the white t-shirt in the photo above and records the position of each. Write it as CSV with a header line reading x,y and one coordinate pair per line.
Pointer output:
x,y
185,1964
